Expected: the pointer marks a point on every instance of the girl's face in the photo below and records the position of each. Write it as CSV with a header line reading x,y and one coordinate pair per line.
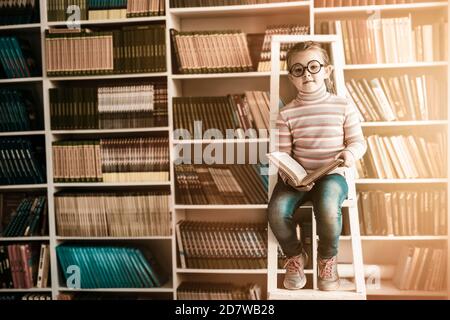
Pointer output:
x,y
309,82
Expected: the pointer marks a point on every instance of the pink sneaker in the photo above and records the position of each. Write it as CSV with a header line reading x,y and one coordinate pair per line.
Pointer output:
x,y
295,275
328,275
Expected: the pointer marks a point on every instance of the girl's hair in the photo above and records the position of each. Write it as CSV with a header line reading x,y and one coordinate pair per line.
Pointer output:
x,y
311,45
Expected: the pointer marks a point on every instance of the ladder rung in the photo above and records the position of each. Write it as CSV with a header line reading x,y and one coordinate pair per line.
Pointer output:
x,y
310,294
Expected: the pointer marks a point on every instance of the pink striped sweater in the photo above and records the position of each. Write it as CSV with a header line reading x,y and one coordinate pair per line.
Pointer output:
x,y
314,127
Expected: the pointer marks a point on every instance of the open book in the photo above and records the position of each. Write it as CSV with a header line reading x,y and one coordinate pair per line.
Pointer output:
x,y
296,173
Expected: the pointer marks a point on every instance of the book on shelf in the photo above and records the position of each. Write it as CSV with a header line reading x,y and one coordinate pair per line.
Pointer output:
x,y
220,184
109,296
17,110
44,266
20,162
403,97
27,219
403,213
25,296
113,266
404,157
215,51
25,266
57,10
16,58
352,3
106,9
389,40
295,173
113,214
421,268
19,12
265,57
109,107
247,114
110,51
138,159
189,290
212,3
221,245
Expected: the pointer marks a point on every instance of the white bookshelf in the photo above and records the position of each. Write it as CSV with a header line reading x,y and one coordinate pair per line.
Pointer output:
x,y
22,133
387,288
222,271
26,26
120,290
30,290
88,23
406,7
253,74
400,181
110,76
439,64
250,19
23,187
384,124
113,238
113,131
23,239
239,10
110,184
21,80
397,238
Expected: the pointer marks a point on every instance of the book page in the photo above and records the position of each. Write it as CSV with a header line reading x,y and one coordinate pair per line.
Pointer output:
x,y
289,166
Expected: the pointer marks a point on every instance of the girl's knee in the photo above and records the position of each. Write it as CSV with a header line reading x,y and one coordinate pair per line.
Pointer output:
x,y
279,210
328,210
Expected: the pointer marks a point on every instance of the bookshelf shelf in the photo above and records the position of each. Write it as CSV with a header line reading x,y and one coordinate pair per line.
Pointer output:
x,y
383,124
221,207
239,10
387,288
168,287
387,7
24,187
201,141
111,76
223,271
22,133
351,67
26,290
21,26
106,131
24,239
397,238
112,184
399,181
254,74
109,21
123,290
20,80
113,238
346,203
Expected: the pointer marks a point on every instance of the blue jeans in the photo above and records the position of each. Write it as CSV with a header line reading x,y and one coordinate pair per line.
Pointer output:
x,y
327,197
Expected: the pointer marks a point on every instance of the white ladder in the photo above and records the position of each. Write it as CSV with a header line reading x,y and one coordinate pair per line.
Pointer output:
x,y
357,289
348,291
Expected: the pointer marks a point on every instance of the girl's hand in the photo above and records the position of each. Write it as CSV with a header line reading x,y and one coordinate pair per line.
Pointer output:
x,y
347,156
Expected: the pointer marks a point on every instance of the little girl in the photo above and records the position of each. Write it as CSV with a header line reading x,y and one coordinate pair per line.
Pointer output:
x,y
314,128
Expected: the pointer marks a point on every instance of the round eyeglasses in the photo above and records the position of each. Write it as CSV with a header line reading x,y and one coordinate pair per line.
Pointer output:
x,y
314,66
